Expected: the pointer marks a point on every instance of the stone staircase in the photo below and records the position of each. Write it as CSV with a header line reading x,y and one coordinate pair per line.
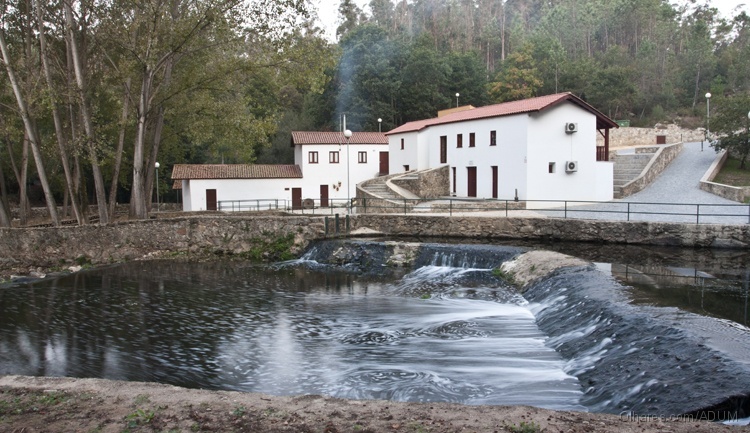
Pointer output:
x,y
380,189
628,167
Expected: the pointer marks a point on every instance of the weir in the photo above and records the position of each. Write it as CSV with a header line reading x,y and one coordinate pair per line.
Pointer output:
x,y
632,359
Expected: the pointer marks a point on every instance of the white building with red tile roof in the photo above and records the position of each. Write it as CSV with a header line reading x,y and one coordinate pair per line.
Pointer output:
x,y
325,163
541,148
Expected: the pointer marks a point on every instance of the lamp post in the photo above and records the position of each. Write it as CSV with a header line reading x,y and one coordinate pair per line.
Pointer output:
x,y
708,118
348,135
457,95
156,167
380,122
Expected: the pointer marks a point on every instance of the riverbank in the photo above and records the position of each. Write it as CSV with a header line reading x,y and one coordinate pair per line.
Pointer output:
x,y
32,404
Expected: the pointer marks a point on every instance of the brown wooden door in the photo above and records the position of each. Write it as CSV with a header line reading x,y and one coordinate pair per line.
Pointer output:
x,y
323,195
443,149
383,163
211,199
296,198
472,181
494,181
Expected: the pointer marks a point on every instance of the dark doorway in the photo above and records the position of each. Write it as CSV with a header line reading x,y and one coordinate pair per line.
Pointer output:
x,y
383,163
323,195
494,181
296,198
443,149
472,181
211,199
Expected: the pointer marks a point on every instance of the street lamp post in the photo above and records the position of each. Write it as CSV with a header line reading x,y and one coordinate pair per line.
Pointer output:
x,y
348,135
156,167
457,95
380,122
708,118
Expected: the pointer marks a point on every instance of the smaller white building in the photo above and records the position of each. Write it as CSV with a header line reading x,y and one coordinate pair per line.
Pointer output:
x,y
535,149
326,170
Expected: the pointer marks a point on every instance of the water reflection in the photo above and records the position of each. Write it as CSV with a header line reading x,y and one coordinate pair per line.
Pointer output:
x,y
438,334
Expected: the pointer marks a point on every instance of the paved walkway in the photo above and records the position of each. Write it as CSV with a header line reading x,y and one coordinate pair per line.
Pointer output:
x,y
674,196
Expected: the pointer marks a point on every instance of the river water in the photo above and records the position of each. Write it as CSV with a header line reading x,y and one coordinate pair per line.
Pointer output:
x,y
447,331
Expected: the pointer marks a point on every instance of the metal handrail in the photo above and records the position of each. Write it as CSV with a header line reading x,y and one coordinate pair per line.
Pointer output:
x,y
566,209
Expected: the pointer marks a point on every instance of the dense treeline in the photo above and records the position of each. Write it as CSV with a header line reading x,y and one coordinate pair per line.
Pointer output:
x,y
93,93
642,60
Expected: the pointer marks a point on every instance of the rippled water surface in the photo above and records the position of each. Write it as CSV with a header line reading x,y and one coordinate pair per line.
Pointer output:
x,y
436,334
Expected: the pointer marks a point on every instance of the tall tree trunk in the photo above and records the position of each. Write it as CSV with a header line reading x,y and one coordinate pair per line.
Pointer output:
x,y
88,124
120,146
59,131
4,207
31,131
137,195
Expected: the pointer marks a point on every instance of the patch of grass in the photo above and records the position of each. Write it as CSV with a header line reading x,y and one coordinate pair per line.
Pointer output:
x,y
271,249
524,427
139,417
731,174
141,399
503,275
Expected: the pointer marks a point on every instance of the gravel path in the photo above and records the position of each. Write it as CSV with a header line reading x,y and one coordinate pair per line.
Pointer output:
x,y
674,196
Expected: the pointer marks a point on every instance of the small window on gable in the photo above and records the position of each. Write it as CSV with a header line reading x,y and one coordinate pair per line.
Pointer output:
x,y
333,157
459,140
402,144
551,167
312,157
472,139
493,138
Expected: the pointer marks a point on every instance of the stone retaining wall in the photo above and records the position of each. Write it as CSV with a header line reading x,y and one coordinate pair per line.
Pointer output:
x,y
616,232
174,237
630,136
428,184
259,237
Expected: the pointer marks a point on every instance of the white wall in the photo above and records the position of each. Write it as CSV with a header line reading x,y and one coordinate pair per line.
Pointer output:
x,y
409,155
335,174
186,198
508,154
194,197
549,143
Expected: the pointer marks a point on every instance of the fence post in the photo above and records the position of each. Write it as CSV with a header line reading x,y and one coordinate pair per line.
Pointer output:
x,y
326,226
364,203
450,207
697,214
566,210
337,224
506,208
348,227
404,206
628,211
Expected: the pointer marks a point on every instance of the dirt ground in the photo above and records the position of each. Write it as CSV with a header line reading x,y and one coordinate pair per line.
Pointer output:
x,y
36,404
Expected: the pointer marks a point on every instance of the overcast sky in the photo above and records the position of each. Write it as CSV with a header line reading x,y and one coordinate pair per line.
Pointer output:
x,y
328,11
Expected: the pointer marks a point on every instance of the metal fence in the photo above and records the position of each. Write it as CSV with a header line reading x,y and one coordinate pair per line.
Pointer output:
x,y
695,213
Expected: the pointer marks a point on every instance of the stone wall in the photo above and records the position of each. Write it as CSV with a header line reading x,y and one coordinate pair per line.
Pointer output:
x,y
174,237
616,232
265,237
664,155
428,184
628,136
735,193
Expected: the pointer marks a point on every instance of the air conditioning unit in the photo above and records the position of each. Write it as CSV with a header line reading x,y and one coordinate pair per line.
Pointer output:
x,y
571,166
571,127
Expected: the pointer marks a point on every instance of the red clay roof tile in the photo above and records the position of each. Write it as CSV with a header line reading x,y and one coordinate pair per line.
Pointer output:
x,y
313,137
236,171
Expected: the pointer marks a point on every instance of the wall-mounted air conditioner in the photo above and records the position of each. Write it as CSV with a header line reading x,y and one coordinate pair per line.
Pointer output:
x,y
571,127
571,166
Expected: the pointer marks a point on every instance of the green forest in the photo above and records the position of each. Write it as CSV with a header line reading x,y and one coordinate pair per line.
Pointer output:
x,y
93,94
